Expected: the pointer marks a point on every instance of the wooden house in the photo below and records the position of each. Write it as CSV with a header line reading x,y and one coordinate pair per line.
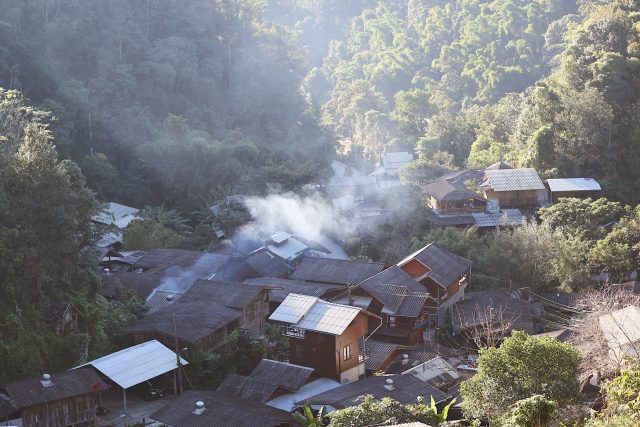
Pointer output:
x,y
442,273
401,302
60,399
580,188
451,198
325,336
514,188
205,315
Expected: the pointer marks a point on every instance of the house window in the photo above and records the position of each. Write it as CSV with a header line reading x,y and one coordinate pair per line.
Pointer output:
x,y
391,321
346,352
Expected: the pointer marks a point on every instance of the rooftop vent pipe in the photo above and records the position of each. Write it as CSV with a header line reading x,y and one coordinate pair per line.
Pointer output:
x,y
388,384
46,380
199,408
405,358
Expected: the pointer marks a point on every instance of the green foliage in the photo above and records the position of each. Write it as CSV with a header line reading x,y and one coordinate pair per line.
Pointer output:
x,y
307,419
149,234
622,395
584,217
520,368
239,354
162,102
371,412
534,411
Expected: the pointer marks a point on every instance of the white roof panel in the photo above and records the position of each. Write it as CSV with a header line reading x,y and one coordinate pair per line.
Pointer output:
x,y
314,314
287,402
433,368
328,318
573,184
288,250
136,364
293,308
113,212
504,217
280,237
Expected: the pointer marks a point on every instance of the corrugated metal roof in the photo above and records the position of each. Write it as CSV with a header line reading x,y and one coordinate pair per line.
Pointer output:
x,y
507,217
265,379
289,250
336,271
113,212
268,265
472,311
221,410
293,286
573,184
280,237
287,402
31,391
378,353
434,371
195,320
398,291
314,314
513,179
444,266
444,190
136,364
406,390
621,327
161,299
229,294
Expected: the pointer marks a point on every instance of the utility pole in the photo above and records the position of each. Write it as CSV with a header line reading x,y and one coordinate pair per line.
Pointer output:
x,y
177,384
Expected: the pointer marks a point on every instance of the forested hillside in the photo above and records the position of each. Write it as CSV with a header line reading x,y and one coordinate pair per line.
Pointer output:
x,y
165,102
551,85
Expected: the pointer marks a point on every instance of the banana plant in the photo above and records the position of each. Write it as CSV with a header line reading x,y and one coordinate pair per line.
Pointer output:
x,y
307,419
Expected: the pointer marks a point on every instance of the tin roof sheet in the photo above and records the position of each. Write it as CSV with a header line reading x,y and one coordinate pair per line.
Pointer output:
x,y
337,271
505,217
136,364
314,314
514,179
573,184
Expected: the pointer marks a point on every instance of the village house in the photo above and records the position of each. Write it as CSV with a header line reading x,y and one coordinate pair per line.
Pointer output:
x,y
335,271
284,246
451,198
268,380
443,274
401,302
491,315
169,270
205,315
60,399
327,337
514,188
205,408
580,188
113,218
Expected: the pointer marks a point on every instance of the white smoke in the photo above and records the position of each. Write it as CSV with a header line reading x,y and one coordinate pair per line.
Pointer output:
x,y
308,217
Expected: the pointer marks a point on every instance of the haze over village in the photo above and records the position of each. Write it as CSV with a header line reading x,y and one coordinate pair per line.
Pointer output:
x,y
312,213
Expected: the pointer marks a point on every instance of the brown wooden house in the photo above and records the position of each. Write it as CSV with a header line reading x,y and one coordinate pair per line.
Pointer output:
x,y
451,198
443,274
401,302
61,399
514,188
205,315
325,336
